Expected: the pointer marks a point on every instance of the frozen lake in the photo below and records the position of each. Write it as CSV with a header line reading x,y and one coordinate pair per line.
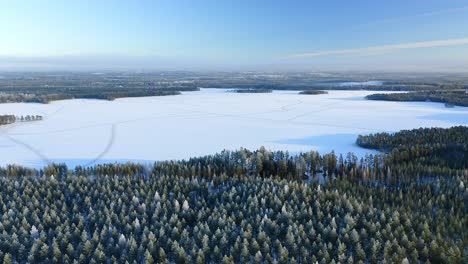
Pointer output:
x,y
206,122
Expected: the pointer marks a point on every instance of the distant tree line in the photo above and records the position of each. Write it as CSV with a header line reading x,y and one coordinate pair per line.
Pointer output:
x,y
459,97
47,87
81,93
313,92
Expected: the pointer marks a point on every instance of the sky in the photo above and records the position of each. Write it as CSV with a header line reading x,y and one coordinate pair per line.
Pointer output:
x,y
419,35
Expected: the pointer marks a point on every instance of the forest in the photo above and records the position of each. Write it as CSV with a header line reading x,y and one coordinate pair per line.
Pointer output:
x,y
450,98
406,205
47,87
44,88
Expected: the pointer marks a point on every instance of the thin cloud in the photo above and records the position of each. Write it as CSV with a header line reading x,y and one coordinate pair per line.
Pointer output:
x,y
384,48
421,15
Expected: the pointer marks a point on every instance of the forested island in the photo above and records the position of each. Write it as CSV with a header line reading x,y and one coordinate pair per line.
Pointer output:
x,y
450,98
313,92
253,91
7,119
404,206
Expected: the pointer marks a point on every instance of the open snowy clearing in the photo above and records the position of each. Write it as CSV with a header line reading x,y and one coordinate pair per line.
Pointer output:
x,y
206,122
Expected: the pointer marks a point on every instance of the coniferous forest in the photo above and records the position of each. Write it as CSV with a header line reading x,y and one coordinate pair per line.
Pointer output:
x,y
405,206
450,97
408,205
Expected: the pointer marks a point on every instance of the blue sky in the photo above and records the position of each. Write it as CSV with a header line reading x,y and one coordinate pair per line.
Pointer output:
x,y
208,34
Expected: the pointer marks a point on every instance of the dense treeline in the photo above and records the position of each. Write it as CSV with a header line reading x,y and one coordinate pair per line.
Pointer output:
x,y
457,135
228,219
429,146
245,206
313,92
459,97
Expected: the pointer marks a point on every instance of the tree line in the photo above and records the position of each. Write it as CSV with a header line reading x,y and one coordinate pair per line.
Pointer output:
x,y
50,95
450,98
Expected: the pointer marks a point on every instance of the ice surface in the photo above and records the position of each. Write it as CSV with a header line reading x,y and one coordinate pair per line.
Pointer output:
x,y
206,122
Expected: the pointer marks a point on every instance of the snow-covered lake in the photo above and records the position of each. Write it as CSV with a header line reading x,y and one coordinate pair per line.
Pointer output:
x,y
206,122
